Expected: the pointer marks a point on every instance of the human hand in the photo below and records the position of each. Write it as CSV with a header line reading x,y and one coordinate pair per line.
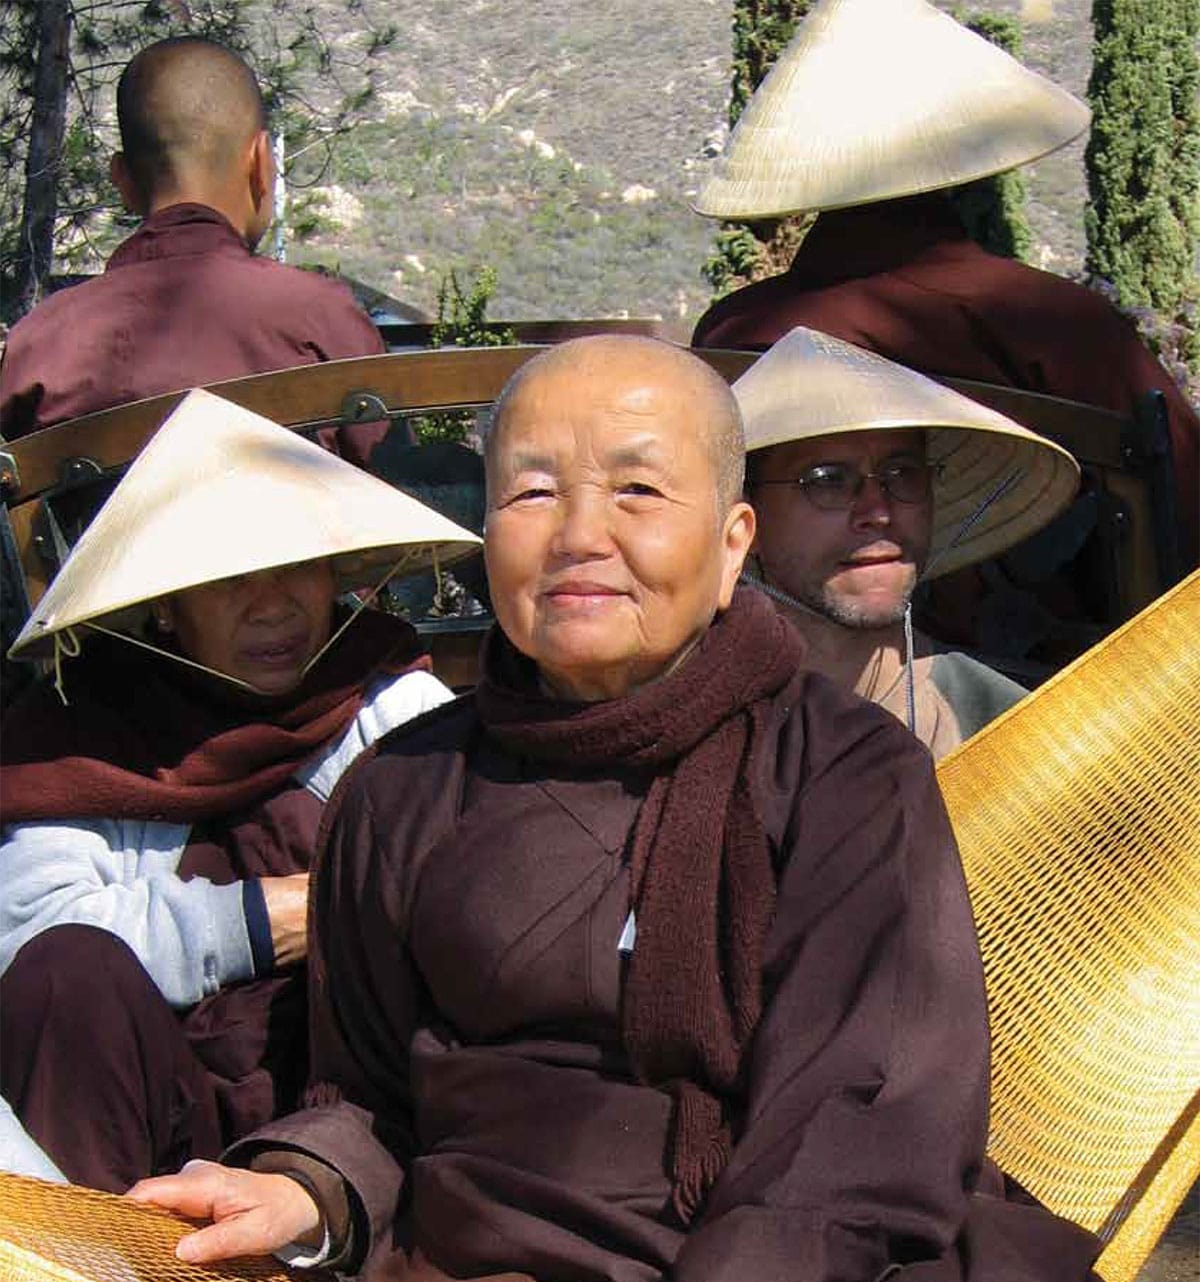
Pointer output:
x,y
287,911
253,1213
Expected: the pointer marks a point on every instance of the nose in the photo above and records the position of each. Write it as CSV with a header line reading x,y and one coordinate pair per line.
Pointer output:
x,y
270,599
584,532
872,505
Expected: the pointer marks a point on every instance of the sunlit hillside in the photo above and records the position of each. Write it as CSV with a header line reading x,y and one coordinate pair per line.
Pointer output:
x,y
560,142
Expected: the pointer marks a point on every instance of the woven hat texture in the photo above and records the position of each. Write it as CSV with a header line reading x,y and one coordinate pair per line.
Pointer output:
x,y
875,99
1077,814
810,385
220,491
63,1233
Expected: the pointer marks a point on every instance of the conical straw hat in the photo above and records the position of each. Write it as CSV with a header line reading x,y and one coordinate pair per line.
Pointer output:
x,y
874,99
811,384
220,491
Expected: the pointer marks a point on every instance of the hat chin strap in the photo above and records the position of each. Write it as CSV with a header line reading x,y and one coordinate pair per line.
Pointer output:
x,y
910,692
362,603
67,644
974,518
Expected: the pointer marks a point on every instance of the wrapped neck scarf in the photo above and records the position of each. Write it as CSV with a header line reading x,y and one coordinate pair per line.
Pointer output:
x,y
145,738
702,881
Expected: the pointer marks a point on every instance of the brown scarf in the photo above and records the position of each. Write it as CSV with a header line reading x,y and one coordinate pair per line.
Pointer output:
x,y
144,738
702,882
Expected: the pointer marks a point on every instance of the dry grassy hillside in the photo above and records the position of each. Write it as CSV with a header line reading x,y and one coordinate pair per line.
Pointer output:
x,y
560,141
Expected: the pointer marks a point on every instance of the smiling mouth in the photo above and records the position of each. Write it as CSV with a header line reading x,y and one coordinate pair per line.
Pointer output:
x,y
581,594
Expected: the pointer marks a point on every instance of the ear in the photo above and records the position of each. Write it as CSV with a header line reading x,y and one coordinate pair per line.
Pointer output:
x,y
260,171
131,197
737,538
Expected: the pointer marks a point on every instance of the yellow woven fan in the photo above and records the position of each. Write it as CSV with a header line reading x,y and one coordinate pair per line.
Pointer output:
x,y
62,1233
1078,817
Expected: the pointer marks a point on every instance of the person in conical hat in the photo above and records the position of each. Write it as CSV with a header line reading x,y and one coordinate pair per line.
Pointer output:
x,y
871,118
866,477
161,795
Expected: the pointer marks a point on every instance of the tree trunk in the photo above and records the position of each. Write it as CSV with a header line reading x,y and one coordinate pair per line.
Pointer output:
x,y
42,163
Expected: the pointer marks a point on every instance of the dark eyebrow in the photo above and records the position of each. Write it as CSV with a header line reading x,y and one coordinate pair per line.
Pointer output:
x,y
913,455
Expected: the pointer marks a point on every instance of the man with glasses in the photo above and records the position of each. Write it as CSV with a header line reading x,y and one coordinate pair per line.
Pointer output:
x,y
867,477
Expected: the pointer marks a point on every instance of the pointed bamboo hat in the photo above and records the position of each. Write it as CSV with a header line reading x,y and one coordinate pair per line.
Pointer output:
x,y
220,491
875,99
1009,479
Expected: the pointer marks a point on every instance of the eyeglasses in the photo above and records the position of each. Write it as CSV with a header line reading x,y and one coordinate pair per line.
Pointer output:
x,y
835,487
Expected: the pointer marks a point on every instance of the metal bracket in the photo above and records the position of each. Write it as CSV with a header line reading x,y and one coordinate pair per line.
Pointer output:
x,y
362,407
10,475
48,540
78,471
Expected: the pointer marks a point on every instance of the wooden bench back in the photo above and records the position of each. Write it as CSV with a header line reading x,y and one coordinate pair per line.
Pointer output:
x,y
1122,456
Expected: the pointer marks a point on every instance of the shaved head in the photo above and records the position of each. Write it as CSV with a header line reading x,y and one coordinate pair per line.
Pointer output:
x,y
187,108
631,362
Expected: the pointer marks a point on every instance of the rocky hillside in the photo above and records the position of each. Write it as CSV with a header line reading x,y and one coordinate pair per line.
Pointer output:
x,y
560,142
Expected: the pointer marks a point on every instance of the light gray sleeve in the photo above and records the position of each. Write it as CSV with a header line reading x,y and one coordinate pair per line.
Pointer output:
x,y
120,875
389,703
19,1152
976,693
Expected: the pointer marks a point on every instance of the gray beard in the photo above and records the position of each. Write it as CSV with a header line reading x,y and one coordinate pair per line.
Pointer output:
x,y
851,615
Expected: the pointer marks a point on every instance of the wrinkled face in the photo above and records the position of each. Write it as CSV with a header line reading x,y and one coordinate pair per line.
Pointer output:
x,y
258,628
608,552
857,566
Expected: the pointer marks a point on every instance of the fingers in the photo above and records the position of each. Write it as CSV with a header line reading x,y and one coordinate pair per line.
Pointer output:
x,y
254,1213
191,1192
246,1233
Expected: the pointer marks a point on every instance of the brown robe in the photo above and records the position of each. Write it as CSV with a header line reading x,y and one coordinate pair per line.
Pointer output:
x,y
903,279
182,302
471,1083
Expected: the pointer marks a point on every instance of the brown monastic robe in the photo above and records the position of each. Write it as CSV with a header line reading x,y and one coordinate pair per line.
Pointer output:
x,y
472,1087
182,302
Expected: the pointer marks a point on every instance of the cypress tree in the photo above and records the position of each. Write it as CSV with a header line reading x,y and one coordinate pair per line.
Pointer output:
x,y
1143,157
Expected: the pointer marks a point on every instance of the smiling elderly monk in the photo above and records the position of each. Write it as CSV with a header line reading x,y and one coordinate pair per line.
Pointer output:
x,y
651,958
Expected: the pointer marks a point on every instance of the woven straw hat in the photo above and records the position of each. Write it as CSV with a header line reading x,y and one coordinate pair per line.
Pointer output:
x,y
875,99
811,384
220,491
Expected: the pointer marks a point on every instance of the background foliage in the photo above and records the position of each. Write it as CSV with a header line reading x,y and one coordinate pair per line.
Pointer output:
x,y
1143,165
558,143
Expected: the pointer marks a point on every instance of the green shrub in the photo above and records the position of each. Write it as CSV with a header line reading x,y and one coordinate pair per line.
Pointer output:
x,y
1143,158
